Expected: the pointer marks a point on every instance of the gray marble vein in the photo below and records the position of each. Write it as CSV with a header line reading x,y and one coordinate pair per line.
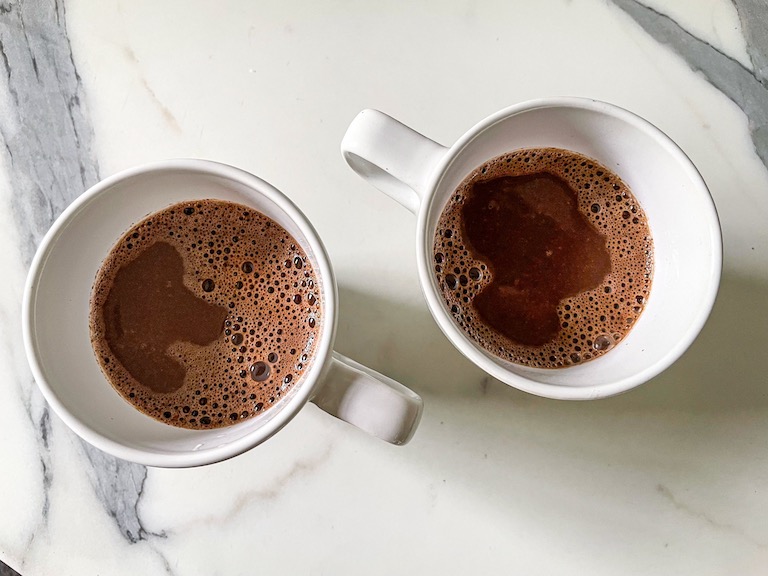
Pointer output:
x,y
752,15
48,146
6,570
747,88
721,526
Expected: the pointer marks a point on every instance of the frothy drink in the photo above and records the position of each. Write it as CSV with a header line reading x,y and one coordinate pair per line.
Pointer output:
x,y
205,314
544,257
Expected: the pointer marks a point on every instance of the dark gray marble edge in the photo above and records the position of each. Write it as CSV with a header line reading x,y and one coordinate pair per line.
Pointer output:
x,y
47,141
6,570
748,89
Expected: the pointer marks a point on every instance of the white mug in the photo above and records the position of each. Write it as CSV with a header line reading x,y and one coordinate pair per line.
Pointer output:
x,y
57,338
422,175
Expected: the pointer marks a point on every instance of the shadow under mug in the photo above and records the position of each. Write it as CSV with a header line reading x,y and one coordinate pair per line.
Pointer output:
x,y
57,337
422,175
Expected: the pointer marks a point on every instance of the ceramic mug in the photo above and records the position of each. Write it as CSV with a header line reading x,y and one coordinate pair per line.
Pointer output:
x,y
57,338
422,175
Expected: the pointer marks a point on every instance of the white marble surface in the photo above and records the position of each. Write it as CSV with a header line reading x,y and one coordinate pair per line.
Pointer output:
x,y
671,478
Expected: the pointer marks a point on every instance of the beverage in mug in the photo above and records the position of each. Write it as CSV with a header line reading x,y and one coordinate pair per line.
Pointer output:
x,y
539,232
210,324
205,313
544,257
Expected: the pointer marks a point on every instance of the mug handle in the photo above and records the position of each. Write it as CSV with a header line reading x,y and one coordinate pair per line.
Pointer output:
x,y
369,400
392,157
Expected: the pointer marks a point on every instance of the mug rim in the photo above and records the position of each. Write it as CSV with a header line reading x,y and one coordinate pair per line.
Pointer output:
x,y
230,449
467,346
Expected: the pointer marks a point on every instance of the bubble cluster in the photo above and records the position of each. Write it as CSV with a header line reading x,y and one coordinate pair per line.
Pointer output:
x,y
246,263
592,322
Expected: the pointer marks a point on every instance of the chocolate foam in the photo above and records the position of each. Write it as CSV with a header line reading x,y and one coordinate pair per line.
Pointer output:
x,y
544,257
205,313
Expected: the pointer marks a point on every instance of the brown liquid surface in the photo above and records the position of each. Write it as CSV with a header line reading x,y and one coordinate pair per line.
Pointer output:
x,y
205,314
544,257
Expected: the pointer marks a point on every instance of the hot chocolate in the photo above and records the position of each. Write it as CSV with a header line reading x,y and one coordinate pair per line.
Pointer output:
x,y
205,313
544,257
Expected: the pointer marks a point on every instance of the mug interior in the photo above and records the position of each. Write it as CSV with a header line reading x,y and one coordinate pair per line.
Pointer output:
x,y
682,219
57,307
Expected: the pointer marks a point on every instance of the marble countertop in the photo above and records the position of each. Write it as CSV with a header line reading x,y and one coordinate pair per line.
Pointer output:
x,y
670,478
